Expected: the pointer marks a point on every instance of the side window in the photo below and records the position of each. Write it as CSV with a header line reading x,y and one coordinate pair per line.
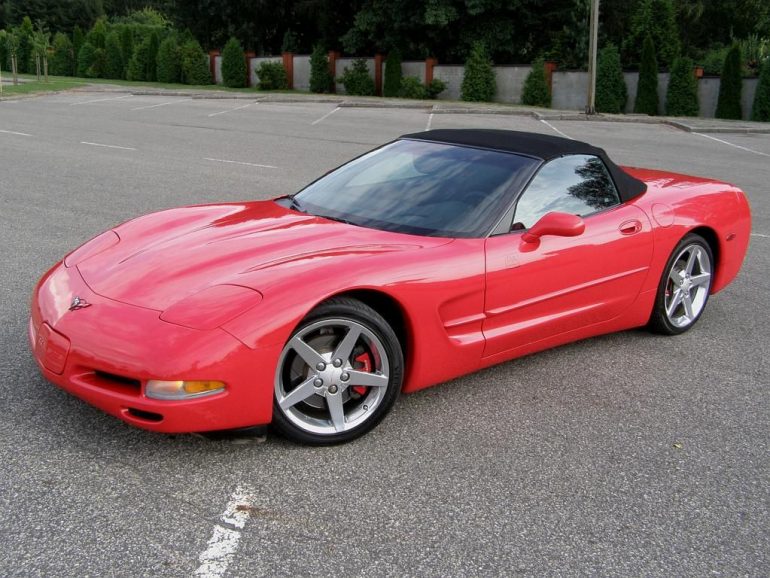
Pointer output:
x,y
576,184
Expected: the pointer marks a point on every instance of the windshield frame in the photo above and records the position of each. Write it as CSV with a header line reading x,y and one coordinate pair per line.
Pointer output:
x,y
507,197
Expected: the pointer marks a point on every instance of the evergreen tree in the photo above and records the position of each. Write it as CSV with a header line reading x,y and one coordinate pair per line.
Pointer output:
x,y
4,60
730,86
62,61
479,83
682,93
113,67
139,63
320,78
152,56
536,91
169,60
761,109
647,89
97,36
195,63
392,74
87,58
656,18
233,64
25,34
78,39
126,47
611,90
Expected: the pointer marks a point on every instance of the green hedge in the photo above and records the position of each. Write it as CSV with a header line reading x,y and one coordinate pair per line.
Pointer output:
x,y
233,64
393,75
479,82
761,109
356,79
168,62
611,90
535,91
272,76
320,78
62,62
730,86
647,90
682,93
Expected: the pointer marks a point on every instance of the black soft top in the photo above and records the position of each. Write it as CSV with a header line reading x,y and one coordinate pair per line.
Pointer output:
x,y
541,146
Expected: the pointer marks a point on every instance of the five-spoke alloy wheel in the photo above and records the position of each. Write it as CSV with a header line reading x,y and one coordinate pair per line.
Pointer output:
x,y
338,374
684,288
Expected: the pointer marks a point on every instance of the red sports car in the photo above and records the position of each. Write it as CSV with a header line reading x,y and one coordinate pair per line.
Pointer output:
x,y
433,256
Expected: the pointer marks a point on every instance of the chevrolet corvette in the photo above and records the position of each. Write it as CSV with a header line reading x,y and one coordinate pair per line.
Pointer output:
x,y
430,257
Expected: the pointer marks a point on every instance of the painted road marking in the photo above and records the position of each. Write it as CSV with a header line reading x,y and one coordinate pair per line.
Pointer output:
x,y
731,144
549,125
223,544
760,235
101,99
240,163
14,132
231,109
324,117
161,104
430,122
96,144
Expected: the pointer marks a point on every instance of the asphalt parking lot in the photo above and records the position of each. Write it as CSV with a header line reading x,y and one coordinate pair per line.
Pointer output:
x,y
625,455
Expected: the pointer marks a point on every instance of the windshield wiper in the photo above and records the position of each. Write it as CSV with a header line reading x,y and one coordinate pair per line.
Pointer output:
x,y
339,220
296,206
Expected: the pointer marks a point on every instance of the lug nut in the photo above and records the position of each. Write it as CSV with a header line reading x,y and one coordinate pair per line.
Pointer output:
x,y
320,366
345,376
318,382
332,389
337,362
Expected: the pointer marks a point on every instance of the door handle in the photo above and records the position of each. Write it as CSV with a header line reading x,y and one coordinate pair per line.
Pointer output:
x,y
630,227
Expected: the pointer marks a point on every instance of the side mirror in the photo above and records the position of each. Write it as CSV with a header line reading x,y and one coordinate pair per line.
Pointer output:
x,y
558,224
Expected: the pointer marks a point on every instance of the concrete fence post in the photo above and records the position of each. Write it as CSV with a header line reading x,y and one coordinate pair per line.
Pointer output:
x,y
213,64
288,65
550,67
378,74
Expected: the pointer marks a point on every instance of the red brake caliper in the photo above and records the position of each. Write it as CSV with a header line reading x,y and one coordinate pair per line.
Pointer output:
x,y
366,366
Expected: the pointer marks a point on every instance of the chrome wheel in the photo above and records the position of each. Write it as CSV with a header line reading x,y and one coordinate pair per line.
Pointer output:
x,y
332,377
687,285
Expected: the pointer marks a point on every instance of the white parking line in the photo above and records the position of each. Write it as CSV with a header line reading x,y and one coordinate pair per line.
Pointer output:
x,y
549,125
161,104
96,144
223,544
231,109
324,117
731,144
760,235
14,132
101,99
430,122
240,163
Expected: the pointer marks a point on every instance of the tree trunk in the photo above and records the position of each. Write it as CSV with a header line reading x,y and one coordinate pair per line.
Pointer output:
x,y
37,67
14,70
45,68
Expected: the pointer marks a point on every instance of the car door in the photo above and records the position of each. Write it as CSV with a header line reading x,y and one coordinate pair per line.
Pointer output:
x,y
536,290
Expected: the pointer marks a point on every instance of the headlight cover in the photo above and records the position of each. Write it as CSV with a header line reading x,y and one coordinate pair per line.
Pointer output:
x,y
90,248
212,307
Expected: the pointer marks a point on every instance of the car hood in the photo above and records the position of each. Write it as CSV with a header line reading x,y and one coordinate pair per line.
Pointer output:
x,y
164,257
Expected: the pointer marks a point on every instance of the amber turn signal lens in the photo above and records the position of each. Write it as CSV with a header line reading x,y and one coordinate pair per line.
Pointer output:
x,y
182,389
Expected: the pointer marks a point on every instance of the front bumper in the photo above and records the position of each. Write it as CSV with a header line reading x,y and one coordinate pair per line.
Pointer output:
x,y
105,353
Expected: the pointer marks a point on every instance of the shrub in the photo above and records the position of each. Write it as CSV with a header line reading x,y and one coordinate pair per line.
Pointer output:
x,y
113,66
479,82
151,73
356,80
761,108
168,63
86,60
730,86
271,76
62,61
647,89
682,93
321,80
412,87
77,43
233,64
611,91
436,87
126,47
714,59
535,91
195,64
393,84
4,57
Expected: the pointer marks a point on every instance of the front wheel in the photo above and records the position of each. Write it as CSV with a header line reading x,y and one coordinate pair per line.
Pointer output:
x,y
338,375
684,287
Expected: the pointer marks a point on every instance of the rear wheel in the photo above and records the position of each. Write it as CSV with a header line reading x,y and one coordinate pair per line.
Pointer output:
x,y
684,288
338,375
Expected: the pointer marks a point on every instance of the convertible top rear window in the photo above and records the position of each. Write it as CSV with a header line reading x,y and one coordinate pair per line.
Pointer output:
x,y
421,188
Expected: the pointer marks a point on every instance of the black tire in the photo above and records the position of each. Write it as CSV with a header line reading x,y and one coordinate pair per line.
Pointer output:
x,y
376,342
679,321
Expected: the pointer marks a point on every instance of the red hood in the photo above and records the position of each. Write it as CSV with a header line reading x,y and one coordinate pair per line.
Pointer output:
x,y
164,257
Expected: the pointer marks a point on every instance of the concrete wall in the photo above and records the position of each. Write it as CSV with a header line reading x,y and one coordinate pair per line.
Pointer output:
x,y
254,64
452,75
302,72
410,68
343,63
218,69
569,90
510,82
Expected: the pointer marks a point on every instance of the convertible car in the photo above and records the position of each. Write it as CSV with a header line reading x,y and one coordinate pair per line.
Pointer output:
x,y
430,257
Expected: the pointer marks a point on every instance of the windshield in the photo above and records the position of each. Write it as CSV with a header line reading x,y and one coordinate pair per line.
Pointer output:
x,y
420,188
